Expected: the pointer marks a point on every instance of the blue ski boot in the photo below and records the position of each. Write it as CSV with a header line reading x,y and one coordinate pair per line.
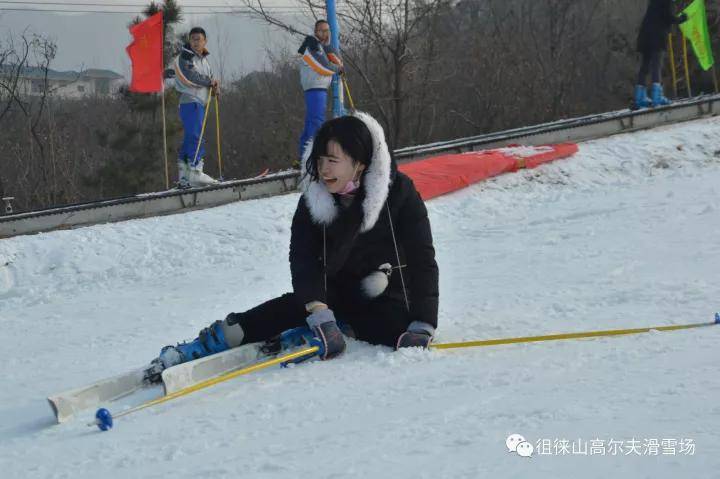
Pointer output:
x,y
211,340
297,337
658,98
290,339
641,99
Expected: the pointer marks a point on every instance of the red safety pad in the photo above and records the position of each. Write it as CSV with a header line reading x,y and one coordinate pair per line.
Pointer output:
x,y
443,174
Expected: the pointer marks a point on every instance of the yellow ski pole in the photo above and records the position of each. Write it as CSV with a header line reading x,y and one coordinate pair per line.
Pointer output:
x,y
104,419
347,90
579,335
217,130
202,130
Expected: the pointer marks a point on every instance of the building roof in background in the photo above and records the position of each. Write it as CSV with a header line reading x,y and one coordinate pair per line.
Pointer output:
x,y
39,73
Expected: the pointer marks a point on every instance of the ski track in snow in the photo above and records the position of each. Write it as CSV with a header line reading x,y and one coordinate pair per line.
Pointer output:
x,y
624,234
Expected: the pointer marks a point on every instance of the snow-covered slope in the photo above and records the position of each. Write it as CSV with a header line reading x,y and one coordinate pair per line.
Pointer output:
x,y
625,234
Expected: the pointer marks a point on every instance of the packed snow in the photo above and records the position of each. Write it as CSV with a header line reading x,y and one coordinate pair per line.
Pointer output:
x,y
624,234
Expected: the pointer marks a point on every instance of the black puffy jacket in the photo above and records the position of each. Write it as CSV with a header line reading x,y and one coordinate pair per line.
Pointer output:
x,y
335,251
659,18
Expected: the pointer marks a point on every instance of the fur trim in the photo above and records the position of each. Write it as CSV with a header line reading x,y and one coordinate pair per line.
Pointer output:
x,y
376,182
320,203
374,284
377,179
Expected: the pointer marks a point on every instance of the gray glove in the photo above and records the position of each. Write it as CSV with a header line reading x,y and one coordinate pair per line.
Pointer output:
x,y
418,334
323,325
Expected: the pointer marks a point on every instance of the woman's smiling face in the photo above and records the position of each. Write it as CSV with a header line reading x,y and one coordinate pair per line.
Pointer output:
x,y
337,168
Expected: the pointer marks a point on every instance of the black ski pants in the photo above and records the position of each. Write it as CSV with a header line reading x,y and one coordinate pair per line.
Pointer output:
x,y
652,62
380,321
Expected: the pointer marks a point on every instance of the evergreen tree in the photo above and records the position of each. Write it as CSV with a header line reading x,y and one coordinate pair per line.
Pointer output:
x,y
136,163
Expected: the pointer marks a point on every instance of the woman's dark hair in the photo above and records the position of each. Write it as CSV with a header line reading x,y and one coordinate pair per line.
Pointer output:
x,y
352,135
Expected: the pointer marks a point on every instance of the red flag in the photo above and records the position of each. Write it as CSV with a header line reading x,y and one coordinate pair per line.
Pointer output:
x,y
146,55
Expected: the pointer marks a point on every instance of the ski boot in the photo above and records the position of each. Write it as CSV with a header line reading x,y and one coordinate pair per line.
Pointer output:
x,y
658,98
196,177
641,100
298,337
292,338
183,171
211,340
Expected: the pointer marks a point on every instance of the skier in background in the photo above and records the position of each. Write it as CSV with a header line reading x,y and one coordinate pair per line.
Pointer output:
x,y
361,256
651,43
318,63
194,81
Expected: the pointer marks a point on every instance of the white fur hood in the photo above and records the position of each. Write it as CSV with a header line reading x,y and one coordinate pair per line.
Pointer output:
x,y
376,182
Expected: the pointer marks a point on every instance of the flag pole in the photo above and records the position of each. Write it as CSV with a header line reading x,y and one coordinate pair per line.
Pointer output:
x,y
164,122
167,168
687,69
337,90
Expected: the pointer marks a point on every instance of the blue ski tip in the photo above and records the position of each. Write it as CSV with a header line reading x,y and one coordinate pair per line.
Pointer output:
x,y
104,419
717,318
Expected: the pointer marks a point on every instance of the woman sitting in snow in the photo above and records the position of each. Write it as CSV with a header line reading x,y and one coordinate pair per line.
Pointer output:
x,y
361,254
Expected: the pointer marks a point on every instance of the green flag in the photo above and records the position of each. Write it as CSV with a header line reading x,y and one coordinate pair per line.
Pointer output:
x,y
696,30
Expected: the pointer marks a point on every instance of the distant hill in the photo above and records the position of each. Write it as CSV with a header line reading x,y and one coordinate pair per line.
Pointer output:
x,y
99,40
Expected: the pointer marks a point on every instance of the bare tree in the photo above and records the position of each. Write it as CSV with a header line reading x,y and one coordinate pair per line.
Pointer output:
x,y
380,43
32,58
429,70
13,62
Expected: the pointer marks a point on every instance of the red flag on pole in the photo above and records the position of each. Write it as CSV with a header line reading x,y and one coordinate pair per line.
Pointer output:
x,y
146,54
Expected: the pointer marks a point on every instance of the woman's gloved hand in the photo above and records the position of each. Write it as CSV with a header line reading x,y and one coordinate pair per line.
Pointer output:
x,y
322,323
418,334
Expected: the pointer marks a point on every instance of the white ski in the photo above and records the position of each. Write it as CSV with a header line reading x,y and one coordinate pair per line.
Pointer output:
x,y
66,405
193,372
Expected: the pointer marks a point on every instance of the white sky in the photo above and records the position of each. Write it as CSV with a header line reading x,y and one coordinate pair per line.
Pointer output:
x,y
98,40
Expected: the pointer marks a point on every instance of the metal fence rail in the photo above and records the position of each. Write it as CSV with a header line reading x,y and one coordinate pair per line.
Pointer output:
x,y
176,201
145,205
